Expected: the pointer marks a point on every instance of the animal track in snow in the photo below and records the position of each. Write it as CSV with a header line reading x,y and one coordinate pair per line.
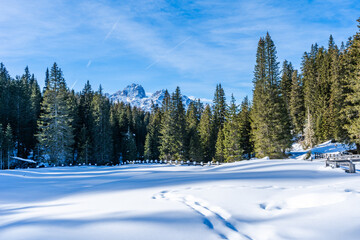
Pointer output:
x,y
215,218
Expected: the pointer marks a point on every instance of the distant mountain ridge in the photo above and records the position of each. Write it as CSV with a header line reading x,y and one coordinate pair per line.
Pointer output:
x,y
136,96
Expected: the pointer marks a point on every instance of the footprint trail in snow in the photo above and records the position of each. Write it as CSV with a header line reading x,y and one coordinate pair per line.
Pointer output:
x,y
215,218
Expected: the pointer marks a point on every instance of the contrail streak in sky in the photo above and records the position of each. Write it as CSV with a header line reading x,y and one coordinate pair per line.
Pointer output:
x,y
168,52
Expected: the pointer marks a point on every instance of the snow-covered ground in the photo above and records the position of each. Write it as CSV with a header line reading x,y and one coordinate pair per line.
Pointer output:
x,y
257,199
299,152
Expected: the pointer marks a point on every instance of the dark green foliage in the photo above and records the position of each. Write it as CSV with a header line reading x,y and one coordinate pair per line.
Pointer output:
x,y
232,150
219,107
270,120
207,134
55,131
152,142
2,138
220,146
245,129
173,128
8,144
286,82
102,142
130,146
296,106
192,141
84,132
352,89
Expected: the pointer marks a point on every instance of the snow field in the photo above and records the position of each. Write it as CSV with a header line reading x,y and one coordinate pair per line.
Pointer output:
x,y
257,199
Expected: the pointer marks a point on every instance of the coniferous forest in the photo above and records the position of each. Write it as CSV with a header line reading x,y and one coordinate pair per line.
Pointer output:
x,y
318,102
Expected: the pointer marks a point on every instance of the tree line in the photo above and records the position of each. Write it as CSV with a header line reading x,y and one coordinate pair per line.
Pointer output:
x,y
318,102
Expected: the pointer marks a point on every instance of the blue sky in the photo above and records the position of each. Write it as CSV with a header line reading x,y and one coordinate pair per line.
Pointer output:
x,y
164,44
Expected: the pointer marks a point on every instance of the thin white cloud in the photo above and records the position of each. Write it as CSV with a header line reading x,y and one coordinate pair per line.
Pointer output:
x,y
168,52
111,30
73,85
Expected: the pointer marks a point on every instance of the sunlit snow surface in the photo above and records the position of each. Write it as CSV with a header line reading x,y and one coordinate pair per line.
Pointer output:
x,y
257,199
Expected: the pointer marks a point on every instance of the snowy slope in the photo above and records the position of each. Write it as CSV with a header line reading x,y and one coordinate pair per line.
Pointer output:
x,y
136,96
297,150
259,199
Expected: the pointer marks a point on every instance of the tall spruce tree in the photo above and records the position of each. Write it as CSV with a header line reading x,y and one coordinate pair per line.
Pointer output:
x,y
102,144
352,101
270,122
285,83
130,146
55,132
86,123
9,144
220,146
297,108
309,133
231,132
173,129
193,148
245,129
2,138
152,142
207,134
167,139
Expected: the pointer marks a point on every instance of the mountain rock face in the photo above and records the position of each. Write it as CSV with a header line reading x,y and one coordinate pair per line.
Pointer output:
x,y
136,96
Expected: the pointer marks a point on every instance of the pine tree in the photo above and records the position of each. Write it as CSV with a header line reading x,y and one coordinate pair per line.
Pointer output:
x,y
152,142
47,77
310,76
231,132
102,144
309,134
73,106
219,106
55,132
207,134
2,141
85,136
270,123
352,100
130,146
115,133
285,83
245,129
193,148
167,139
220,146
8,144
173,129
297,111
35,100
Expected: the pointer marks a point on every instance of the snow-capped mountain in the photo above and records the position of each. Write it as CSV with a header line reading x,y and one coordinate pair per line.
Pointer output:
x,y
136,96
